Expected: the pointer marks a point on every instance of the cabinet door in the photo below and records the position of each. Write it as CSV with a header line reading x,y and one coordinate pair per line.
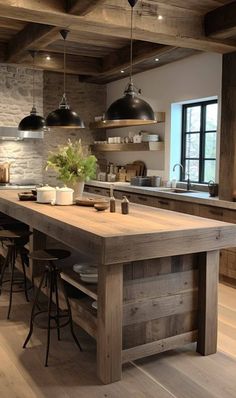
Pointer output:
x,y
186,207
144,200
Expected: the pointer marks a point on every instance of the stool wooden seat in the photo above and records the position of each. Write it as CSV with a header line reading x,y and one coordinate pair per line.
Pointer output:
x,y
49,254
14,242
51,277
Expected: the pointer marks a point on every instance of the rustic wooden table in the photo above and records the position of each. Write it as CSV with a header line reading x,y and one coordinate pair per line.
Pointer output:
x,y
158,275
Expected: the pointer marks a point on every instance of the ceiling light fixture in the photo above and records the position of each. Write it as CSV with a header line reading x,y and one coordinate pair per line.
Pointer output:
x,y
33,122
157,59
122,71
160,17
63,116
48,58
129,110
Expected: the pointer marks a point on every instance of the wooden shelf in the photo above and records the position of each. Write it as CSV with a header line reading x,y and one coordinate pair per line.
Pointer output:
x,y
73,279
143,146
102,124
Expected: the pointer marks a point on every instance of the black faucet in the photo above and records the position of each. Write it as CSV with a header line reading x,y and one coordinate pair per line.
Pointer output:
x,y
188,182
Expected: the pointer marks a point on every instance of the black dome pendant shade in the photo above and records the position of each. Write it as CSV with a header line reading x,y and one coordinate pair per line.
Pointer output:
x,y
130,110
33,122
64,116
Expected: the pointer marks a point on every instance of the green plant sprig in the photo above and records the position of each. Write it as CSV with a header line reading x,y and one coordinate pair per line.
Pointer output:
x,y
73,163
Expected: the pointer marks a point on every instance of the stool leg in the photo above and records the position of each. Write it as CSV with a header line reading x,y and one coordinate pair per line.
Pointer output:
x,y
51,276
69,312
35,303
57,305
6,263
12,269
24,274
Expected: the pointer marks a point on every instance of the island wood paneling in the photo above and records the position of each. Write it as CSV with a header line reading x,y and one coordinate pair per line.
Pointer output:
x,y
160,302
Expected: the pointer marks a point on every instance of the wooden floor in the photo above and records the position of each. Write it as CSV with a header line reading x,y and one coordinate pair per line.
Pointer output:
x,y
71,374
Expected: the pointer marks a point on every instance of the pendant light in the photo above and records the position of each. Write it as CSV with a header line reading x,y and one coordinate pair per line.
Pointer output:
x,y
129,110
64,116
33,123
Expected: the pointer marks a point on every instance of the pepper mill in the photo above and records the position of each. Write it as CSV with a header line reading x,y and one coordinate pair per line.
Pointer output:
x,y
125,205
112,201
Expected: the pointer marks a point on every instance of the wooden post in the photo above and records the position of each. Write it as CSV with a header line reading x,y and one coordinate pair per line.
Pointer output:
x,y
227,175
109,336
208,303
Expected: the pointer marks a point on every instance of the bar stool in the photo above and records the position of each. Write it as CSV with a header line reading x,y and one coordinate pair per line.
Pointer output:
x,y
14,242
51,276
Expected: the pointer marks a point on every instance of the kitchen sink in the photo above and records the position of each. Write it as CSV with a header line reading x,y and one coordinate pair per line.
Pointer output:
x,y
176,190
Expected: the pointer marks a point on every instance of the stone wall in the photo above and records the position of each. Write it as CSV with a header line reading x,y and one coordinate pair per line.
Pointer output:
x,y
15,103
28,157
87,99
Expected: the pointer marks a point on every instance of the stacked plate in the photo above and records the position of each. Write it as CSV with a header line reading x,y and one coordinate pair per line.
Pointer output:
x,y
88,273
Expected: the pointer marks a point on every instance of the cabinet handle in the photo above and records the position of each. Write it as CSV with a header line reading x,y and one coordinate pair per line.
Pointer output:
x,y
142,198
163,202
216,212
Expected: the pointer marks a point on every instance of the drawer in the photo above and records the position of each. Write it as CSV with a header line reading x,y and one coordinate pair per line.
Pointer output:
x,y
97,190
216,213
186,207
165,204
144,200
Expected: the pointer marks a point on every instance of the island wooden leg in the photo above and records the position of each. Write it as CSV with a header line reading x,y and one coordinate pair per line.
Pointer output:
x,y
208,303
109,335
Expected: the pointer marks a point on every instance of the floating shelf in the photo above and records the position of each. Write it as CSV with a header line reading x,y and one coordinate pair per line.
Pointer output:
x,y
143,146
102,124
73,278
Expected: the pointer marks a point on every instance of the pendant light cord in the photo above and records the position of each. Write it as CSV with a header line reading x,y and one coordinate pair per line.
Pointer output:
x,y
33,80
64,66
131,47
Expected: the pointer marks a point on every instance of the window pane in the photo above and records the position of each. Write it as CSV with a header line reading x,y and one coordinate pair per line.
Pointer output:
x,y
209,173
192,145
211,117
192,167
193,118
210,145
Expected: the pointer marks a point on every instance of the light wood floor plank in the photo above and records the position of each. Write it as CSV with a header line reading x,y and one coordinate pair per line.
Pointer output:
x,y
177,374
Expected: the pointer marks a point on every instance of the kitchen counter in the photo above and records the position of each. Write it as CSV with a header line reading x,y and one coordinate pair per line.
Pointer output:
x,y
193,197
158,274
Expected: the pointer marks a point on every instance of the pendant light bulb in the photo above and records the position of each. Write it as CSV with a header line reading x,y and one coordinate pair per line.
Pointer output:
x,y
33,122
130,110
64,117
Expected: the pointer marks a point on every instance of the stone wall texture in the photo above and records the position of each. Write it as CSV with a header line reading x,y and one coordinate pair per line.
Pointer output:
x,y
29,157
15,103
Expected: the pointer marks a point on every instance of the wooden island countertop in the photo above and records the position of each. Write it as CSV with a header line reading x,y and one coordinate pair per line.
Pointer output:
x,y
158,274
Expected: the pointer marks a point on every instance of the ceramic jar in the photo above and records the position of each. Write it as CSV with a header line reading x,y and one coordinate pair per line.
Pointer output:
x,y
46,194
64,196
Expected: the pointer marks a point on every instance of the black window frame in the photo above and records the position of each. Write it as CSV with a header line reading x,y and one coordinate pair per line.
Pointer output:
x,y
202,132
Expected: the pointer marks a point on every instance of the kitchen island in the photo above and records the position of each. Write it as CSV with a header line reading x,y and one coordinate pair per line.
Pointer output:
x,y
158,275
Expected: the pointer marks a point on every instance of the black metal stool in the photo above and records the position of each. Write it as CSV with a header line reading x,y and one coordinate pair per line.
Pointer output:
x,y
14,242
51,276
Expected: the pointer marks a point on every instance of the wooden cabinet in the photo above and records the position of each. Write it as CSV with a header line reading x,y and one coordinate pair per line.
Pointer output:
x,y
227,257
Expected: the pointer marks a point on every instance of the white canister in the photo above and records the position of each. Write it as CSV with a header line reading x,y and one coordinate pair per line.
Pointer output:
x,y
64,196
46,194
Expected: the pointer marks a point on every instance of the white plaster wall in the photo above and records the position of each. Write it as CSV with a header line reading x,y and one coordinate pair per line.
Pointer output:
x,y
195,77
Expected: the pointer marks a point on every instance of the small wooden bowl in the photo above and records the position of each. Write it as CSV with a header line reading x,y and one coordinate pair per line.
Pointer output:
x,y
101,206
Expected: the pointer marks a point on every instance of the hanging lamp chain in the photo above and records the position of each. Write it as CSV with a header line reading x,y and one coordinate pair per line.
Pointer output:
x,y
131,89
64,103
33,54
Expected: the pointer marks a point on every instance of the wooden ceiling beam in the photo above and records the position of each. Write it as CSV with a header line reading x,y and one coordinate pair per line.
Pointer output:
x,y
81,8
221,22
121,59
181,32
33,36
76,65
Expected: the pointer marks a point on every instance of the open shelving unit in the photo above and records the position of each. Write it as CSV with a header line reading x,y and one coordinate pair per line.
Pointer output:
x,y
142,146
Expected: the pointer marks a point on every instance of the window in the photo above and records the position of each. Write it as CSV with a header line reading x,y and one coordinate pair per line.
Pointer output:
x,y
199,125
